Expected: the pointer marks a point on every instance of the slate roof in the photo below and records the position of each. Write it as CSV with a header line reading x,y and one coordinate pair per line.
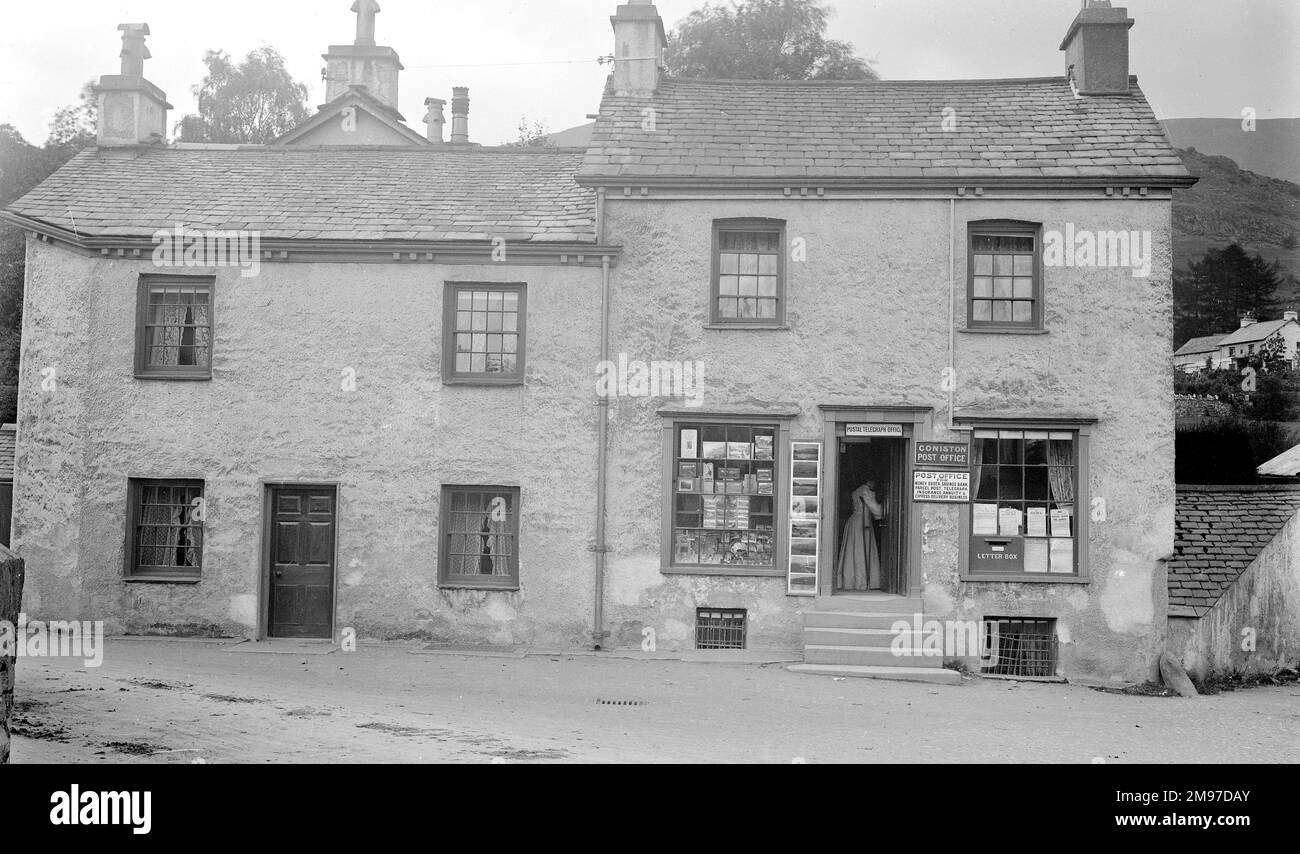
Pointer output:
x,y
1028,128
326,193
1204,344
1220,532
7,437
1260,331
1285,464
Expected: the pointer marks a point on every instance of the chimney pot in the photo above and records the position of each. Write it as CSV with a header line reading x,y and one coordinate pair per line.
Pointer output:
x,y
460,115
1096,49
132,111
435,119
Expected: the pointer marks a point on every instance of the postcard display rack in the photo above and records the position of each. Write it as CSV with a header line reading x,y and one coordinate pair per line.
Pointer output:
x,y
805,506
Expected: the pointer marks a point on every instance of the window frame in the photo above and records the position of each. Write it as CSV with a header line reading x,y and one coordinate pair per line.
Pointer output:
x,y
191,373
1005,228
450,376
468,582
780,504
1083,503
135,491
747,224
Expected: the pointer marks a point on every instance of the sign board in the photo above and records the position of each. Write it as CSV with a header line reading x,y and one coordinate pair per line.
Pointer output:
x,y
941,487
996,554
942,454
805,518
873,429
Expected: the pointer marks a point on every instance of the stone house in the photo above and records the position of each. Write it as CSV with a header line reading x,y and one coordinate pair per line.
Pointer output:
x,y
626,396
1231,348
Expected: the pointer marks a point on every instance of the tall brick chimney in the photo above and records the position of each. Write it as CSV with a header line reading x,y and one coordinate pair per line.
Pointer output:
x,y
639,42
362,63
132,111
1096,49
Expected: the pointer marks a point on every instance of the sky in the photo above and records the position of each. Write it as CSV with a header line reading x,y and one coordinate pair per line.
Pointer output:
x,y
537,58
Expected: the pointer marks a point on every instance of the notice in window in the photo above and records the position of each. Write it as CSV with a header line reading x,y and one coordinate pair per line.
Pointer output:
x,y
986,519
1009,521
1036,522
1063,556
1036,555
1061,523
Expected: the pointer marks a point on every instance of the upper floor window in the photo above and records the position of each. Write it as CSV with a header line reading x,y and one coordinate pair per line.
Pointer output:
x,y
174,329
1005,282
483,331
748,273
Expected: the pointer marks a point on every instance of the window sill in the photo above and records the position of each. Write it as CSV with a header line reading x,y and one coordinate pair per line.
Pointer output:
x,y
748,572
1001,330
503,587
1025,578
483,381
162,579
748,327
176,377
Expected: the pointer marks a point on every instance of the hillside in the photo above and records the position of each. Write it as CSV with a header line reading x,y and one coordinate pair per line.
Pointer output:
x,y
1272,149
1229,205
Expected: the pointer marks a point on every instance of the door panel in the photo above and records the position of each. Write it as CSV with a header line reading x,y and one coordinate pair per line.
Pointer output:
x,y
302,563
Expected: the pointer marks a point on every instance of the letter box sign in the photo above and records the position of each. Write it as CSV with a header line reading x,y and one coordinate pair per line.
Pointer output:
x,y
942,455
993,554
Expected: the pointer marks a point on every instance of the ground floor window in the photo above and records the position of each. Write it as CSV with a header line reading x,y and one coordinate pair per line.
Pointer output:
x,y
167,519
724,492
1024,514
480,537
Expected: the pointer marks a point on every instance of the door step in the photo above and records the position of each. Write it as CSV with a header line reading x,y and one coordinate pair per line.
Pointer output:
x,y
934,675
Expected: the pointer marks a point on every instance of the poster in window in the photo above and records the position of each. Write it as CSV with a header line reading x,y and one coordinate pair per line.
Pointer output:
x,y
690,445
1061,523
1063,556
687,470
715,450
805,495
986,519
1036,555
763,447
1036,522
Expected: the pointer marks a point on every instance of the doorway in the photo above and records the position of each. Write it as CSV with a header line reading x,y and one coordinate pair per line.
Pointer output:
x,y
300,561
869,515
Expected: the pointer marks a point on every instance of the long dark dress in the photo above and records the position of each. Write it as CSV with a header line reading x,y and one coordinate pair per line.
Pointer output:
x,y
859,565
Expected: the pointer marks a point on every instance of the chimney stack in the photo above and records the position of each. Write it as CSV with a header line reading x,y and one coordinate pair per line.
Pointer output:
x,y
435,119
362,63
1096,49
1247,319
132,111
1290,314
639,42
460,115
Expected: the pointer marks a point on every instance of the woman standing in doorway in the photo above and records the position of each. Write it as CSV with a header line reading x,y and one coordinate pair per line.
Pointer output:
x,y
859,566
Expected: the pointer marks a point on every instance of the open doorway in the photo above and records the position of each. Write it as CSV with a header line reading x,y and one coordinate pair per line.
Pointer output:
x,y
869,503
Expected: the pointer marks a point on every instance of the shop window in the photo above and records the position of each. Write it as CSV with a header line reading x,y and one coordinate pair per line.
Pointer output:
x,y
1005,287
724,492
748,273
1024,513
479,546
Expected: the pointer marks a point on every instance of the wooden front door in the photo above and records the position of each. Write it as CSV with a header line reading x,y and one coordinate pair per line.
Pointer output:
x,y
302,562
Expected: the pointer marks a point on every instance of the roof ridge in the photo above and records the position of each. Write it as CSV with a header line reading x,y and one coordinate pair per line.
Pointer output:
x,y
866,83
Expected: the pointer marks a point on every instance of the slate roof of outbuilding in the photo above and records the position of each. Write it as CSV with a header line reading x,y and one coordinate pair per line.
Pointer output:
x,y
1026,128
1261,331
1285,464
1204,344
1220,532
7,438
322,193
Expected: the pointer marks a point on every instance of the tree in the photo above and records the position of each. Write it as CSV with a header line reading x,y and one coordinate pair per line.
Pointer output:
x,y
535,134
253,102
1211,296
74,126
762,40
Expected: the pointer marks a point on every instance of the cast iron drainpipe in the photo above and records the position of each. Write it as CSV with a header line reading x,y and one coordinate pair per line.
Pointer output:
x,y
598,633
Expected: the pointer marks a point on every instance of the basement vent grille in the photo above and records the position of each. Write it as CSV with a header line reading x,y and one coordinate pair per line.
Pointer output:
x,y
1019,646
620,702
720,628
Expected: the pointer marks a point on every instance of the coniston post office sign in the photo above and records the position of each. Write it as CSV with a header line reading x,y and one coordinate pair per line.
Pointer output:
x,y
942,455
941,487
